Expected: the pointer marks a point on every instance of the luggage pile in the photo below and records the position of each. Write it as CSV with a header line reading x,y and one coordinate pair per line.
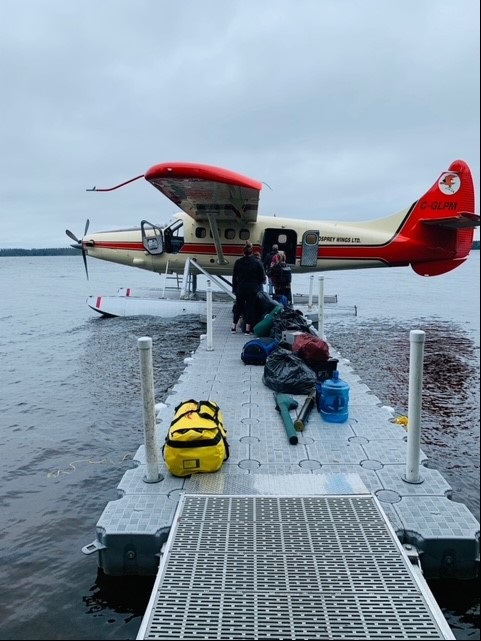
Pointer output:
x,y
196,441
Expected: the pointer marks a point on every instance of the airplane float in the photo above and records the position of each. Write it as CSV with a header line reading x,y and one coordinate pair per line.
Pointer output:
x,y
219,214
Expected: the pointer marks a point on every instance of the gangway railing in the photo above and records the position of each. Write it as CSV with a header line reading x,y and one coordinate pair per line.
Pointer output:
x,y
222,285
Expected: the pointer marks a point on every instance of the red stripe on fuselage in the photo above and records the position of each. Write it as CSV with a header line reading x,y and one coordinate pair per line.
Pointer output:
x,y
115,245
399,250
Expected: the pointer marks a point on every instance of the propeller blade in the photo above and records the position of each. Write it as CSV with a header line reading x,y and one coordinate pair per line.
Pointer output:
x,y
80,244
72,236
84,256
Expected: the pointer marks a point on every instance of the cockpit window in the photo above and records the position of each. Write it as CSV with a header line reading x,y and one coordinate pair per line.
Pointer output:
x,y
174,237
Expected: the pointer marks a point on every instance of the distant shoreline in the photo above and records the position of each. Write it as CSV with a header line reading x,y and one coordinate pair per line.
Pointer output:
x,y
68,251
60,251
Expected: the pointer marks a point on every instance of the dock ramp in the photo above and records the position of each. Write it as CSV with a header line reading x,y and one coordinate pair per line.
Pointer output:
x,y
287,567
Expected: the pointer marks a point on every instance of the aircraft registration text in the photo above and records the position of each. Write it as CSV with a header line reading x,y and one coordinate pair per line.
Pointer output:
x,y
437,205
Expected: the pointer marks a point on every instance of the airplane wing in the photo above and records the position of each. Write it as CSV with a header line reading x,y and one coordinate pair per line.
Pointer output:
x,y
203,191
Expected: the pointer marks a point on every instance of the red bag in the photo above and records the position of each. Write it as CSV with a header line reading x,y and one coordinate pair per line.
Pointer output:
x,y
311,349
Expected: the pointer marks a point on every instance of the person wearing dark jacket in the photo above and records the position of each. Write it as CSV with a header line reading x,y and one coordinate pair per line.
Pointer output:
x,y
281,277
247,279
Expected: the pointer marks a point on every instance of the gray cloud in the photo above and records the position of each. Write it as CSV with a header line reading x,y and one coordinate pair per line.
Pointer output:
x,y
346,109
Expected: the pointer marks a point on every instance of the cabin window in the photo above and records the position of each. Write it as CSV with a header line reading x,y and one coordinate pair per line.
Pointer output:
x,y
244,234
200,232
282,239
229,234
311,239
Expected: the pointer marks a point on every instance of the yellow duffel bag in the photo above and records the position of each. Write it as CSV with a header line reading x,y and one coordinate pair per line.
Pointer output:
x,y
196,440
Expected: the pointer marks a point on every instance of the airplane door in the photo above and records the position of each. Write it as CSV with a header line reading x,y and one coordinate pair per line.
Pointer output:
x,y
285,239
152,238
309,247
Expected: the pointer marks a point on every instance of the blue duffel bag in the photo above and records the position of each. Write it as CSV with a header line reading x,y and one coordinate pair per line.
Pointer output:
x,y
256,351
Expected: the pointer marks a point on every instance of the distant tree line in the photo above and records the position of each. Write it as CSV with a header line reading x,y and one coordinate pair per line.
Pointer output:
x,y
59,251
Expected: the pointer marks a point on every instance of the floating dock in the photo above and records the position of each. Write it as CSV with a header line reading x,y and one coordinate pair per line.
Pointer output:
x,y
333,507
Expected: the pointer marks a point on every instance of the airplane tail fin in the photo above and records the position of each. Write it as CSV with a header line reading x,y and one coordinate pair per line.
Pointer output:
x,y
444,219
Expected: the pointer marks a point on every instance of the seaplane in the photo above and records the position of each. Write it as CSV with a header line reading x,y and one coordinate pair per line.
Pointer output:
x,y
219,215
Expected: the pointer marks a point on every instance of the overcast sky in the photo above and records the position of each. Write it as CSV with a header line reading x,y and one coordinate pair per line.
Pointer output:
x,y
347,109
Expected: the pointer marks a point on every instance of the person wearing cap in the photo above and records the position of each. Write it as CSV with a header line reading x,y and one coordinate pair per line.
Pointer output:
x,y
248,278
267,264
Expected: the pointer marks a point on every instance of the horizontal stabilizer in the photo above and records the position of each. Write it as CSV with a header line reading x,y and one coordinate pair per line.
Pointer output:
x,y
463,221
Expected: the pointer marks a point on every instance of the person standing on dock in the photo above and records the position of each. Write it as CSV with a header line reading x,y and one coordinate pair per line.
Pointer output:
x,y
281,277
267,263
248,278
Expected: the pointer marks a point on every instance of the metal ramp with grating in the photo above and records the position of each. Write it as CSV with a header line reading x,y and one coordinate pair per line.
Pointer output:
x,y
287,567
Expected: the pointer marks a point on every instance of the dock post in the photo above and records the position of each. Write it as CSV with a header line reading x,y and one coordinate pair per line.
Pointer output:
x,y
209,345
153,474
416,357
311,287
320,310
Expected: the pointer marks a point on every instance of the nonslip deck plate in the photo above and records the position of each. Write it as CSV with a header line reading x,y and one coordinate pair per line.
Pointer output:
x,y
286,567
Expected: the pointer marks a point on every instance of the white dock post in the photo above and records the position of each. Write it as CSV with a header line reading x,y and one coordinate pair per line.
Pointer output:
x,y
185,279
320,311
311,288
209,345
416,358
153,474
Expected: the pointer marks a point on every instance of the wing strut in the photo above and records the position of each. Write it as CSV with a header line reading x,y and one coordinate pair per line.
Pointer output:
x,y
215,235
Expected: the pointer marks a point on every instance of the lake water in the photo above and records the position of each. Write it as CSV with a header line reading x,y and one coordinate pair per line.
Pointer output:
x,y
71,420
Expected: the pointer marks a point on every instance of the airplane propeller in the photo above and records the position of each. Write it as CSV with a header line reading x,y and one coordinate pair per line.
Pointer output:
x,y
79,244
